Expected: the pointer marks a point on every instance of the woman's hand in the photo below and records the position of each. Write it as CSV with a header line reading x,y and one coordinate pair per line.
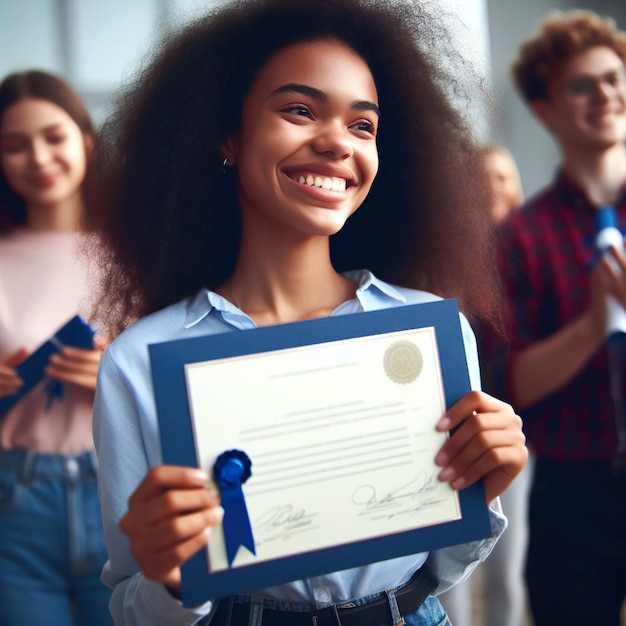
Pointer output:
x,y
10,382
77,366
169,518
487,442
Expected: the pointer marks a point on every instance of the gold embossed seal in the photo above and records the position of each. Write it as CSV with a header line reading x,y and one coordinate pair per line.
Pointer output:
x,y
403,362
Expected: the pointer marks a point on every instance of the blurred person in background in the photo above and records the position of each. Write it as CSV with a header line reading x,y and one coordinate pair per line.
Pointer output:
x,y
501,576
504,181
52,548
571,74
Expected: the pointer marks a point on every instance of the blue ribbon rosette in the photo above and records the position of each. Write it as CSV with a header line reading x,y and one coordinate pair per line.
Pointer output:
x,y
230,471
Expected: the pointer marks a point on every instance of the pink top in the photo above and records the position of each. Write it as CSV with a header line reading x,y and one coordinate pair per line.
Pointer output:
x,y
43,283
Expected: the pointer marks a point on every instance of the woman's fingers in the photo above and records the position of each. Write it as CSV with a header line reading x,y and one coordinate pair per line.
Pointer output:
x,y
16,358
169,518
486,442
10,382
170,504
75,366
164,565
163,547
163,477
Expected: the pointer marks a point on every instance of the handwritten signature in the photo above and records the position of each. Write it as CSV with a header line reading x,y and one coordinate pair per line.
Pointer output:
x,y
414,494
281,522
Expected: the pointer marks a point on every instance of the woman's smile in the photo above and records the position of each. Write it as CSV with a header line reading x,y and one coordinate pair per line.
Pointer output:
x,y
330,184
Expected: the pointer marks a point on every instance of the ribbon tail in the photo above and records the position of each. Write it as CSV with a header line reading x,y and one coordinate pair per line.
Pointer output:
x,y
237,527
54,391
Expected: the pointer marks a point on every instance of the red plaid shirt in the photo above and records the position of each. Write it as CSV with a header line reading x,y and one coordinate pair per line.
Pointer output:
x,y
546,255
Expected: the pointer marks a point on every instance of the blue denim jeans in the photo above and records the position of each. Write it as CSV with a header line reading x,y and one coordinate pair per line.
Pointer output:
x,y
52,546
431,612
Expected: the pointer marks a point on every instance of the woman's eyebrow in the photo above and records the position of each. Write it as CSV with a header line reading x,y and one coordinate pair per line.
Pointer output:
x,y
320,96
45,129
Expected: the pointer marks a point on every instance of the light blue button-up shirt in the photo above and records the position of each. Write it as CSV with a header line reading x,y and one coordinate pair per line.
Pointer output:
x,y
127,442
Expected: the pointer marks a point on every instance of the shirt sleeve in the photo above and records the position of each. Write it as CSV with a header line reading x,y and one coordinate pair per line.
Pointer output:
x,y
124,461
454,564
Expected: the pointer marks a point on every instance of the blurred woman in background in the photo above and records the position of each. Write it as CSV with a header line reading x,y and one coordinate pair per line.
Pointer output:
x,y
52,547
504,179
501,576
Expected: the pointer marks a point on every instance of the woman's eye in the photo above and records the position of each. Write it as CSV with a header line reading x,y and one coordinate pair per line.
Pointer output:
x,y
298,110
13,148
55,139
364,126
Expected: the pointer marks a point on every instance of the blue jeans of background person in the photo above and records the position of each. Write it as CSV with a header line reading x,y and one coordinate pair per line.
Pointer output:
x,y
52,546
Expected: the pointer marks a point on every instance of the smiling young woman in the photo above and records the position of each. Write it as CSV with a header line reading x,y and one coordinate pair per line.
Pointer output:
x,y
52,547
340,176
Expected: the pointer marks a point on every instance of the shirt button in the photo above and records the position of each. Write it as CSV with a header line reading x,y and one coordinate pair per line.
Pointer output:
x,y
322,595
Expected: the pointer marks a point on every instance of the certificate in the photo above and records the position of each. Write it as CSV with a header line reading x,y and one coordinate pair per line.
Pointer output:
x,y
337,417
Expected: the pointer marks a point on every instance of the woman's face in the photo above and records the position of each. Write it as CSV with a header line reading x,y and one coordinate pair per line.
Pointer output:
x,y
42,154
306,153
505,184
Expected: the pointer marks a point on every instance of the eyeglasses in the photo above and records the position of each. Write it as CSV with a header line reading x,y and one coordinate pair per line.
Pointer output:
x,y
586,85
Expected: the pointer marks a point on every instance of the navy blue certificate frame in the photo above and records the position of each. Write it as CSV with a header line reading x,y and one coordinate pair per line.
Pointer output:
x,y
168,361
75,333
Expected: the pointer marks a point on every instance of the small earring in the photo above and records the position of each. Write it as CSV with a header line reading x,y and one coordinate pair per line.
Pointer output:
x,y
225,164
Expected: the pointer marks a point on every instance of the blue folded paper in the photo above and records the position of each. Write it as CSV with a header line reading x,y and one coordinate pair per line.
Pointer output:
x,y
76,333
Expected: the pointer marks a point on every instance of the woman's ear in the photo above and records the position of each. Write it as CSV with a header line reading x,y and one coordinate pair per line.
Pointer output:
x,y
229,151
90,144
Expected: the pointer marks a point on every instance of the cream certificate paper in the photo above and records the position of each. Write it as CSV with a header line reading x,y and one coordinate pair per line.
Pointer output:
x,y
341,436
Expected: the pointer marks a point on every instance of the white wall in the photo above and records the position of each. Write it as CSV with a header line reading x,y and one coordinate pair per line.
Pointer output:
x,y
96,44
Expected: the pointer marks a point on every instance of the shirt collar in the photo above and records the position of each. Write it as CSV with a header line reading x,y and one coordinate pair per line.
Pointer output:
x,y
573,194
372,293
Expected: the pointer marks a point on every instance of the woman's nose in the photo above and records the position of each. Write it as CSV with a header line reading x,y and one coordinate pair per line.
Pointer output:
x,y
39,152
334,139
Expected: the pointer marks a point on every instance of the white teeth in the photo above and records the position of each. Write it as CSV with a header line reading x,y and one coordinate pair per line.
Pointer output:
x,y
330,184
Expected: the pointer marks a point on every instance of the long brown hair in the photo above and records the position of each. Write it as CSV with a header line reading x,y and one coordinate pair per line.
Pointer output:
x,y
169,216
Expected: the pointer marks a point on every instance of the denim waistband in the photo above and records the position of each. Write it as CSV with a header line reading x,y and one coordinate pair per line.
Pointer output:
x,y
388,607
29,464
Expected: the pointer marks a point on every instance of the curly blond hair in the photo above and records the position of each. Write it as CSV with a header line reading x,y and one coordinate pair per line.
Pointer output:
x,y
562,35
